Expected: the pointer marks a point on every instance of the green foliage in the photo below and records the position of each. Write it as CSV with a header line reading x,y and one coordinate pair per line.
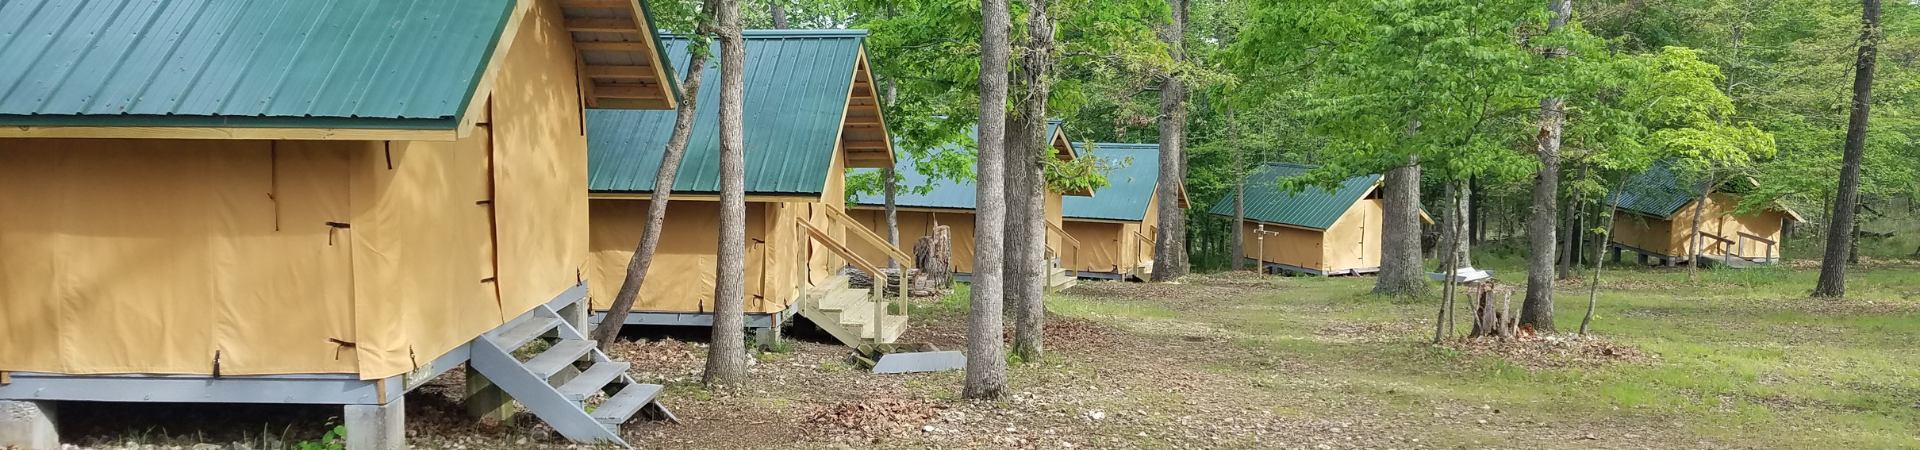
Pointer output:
x,y
1447,81
334,439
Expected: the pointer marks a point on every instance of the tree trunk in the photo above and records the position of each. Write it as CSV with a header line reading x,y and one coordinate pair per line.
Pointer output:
x,y
892,179
1537,310
1833,267
662,190
1169,248
778,9
891,188
1853,239
1457,221
986,360
1401,274
1476,216
1450,265
1697,245
1237,250
727,356
1575,220
1593,289
1027,187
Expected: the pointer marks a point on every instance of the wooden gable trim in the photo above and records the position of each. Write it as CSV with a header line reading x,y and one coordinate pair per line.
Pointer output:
x,y
863,95
475,110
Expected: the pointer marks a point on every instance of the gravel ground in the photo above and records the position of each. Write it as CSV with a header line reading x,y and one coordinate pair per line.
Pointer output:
x,y
1107,382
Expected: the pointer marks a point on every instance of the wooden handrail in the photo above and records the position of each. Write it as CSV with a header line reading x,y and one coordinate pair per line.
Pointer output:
x,y
1067,238
855,228
1758,238
879,278
1063,234
1717,238
834,246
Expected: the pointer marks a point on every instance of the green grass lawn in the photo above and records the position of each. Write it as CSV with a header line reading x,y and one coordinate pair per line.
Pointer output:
x,y
1742,356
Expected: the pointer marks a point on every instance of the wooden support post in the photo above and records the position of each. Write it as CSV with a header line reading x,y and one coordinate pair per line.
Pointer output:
x,y
486,401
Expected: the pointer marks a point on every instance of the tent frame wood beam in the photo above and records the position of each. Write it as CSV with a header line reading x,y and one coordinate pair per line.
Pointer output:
x,y
688,319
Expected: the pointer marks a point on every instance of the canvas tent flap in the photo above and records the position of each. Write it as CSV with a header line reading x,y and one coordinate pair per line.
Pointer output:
x,y
1100,244
141,256
539,178
681,276
423,275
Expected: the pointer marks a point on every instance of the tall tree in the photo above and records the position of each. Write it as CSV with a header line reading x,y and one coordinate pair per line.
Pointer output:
x,y
1400,263
727,356
1027,154
778,9
1170,242
1537,311
1237,248
1833,265
986,361
662,182
1462,209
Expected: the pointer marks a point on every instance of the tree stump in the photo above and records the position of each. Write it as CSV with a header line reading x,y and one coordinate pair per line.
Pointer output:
x,y
933,254
1493,313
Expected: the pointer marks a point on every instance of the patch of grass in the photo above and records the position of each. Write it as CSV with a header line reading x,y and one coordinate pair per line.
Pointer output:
x,y
1743,355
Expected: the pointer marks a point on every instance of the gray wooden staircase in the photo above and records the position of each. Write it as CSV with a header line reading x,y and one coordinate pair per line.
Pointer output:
x,y
848,313
565,380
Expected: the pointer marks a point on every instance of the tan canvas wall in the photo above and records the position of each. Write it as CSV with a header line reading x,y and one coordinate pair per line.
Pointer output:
x,y
913,225
1646,233
540,161
422,251
152,255
1142,250
1674,237
1100,246
681,277
1296,247
1353,242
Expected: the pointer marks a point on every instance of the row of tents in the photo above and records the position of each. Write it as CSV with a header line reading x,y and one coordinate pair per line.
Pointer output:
x,y
338,202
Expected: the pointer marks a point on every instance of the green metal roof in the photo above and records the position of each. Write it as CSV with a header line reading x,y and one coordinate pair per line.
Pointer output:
x,y
338,63
1656,192
1313,207
946,194
1131,186
796,97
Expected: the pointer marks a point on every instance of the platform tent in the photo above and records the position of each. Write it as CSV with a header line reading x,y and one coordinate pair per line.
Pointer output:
x,y
294,202
1658,209
1116,230
810,114
1314,231
951,203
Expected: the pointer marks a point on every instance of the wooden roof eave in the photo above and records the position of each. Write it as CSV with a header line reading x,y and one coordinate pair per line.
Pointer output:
x,y
862,154
619,86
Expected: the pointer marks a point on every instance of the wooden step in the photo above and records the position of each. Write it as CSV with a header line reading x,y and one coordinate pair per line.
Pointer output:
x,y
857,315
893,326
624,404
842,300
525,332
827,288
592,380
559,356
